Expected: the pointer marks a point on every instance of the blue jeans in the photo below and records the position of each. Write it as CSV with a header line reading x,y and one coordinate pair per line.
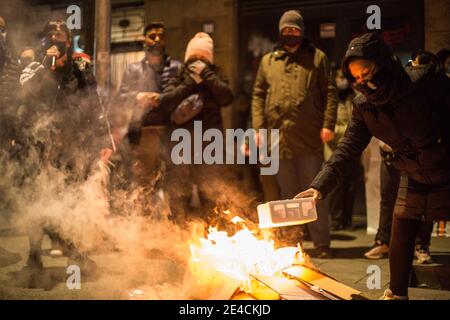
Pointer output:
x,y
295,175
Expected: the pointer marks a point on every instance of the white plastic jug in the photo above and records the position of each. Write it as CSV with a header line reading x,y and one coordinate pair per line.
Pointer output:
x,y
286,212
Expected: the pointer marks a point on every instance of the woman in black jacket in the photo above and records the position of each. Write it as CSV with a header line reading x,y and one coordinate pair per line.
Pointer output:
x,y
203,91
411,113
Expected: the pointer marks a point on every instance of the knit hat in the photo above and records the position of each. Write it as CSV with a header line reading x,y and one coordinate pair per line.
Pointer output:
x,y
292,19
201,45
369,46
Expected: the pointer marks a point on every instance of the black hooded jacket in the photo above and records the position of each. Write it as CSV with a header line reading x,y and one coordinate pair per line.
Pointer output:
x,y
214,90
410,113
62,114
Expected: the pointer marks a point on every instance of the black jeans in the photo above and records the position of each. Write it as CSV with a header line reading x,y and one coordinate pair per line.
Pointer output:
x,y
401,253
295,175
389,184
342,199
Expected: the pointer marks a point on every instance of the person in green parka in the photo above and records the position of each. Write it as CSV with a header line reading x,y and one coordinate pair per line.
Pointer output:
x,y
294,92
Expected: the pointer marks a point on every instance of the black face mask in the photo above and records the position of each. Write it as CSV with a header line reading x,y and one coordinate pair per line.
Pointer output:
x,y
364,88
379,90
290,40
61,45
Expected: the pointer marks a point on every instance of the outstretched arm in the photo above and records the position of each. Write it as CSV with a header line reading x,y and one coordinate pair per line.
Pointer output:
x,y
349,150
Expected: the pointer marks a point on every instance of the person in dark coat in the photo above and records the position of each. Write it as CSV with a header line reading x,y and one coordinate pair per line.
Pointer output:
x,y
137,111
409,112
200,75
62,89
422,63
203,84
294,93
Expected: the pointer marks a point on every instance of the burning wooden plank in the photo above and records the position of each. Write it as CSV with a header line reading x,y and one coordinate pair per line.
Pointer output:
x,y
288,289
322,282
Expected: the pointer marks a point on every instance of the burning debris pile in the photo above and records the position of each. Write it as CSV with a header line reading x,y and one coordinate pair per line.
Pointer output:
x,y
243,266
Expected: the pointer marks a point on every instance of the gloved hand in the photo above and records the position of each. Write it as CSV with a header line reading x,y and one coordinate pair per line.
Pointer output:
x,y
195,69
30,72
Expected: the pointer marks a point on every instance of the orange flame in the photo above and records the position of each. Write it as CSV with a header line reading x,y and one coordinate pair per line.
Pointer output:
x,y
243,254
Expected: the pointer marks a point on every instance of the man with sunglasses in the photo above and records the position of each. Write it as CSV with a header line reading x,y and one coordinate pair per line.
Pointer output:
x,y
141,85
410,111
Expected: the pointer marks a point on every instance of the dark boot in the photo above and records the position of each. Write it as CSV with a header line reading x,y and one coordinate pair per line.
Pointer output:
x,y
34,261
34,256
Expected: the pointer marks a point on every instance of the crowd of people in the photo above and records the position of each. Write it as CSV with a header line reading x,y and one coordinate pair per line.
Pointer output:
x,y
326,117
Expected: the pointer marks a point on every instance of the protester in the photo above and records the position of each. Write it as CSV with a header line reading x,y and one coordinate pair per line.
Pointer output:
x,y
138,105
410,113
390,182
295,93
63,88
197,95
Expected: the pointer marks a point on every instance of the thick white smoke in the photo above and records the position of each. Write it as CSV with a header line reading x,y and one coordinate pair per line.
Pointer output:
x,y
120,228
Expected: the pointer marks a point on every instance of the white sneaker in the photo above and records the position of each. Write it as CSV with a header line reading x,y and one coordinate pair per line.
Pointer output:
x,y
56,253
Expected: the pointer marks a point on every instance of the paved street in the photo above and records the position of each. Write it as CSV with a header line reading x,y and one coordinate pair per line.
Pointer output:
x,y
350,267
162,277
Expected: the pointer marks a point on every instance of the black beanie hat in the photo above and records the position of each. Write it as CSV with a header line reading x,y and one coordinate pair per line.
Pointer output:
x,y
369,46
292,19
